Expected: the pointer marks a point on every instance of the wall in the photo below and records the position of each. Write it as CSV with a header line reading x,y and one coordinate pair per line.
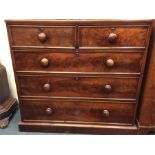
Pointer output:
x,y
65,9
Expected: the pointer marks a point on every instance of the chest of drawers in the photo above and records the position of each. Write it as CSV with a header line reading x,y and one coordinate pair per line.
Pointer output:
x,y
79,75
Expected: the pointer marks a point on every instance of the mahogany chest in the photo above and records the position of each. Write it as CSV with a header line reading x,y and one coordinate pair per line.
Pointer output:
x,y
85,76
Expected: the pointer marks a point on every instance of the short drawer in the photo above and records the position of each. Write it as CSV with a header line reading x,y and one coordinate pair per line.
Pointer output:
x,y
79,111
118,36
98,87
107,61
43,36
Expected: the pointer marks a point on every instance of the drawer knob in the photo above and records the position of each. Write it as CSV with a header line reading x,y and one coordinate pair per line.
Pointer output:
x,y
46,87
105,113
112,37
49,111
44,62
42,37
110,62
107,88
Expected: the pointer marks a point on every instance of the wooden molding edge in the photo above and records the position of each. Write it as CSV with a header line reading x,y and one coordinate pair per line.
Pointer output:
x,y
77,128
144,130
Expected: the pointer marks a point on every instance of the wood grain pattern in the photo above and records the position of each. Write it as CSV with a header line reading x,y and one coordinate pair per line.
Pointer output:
x,y
97,36
146,115
91,128
71,85
85,62
77,111
82,87
84,22
56,36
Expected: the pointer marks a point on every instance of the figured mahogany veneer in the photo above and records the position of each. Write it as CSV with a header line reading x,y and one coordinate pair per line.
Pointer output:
x,y
79,111
129,61
88,36
80,75
78,86
55,36
100,36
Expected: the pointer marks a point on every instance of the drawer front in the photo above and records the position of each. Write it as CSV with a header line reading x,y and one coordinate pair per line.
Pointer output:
x,y
53,36
77,111
101,87
85,62
120,36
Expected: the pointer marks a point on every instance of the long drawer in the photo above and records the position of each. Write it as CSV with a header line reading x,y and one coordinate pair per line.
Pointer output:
x,y
86,61
83,111
77,86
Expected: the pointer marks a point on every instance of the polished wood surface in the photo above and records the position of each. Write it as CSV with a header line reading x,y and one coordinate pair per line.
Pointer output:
x,y
71,74
87,61
77,111
83,22
82,87
70,127
98,36
57,36
146,115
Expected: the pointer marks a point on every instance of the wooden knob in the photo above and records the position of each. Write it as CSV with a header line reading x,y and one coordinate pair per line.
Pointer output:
x,y
49,111
44,62
107,88
112,37
46,87
42,37
105,113
110,62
